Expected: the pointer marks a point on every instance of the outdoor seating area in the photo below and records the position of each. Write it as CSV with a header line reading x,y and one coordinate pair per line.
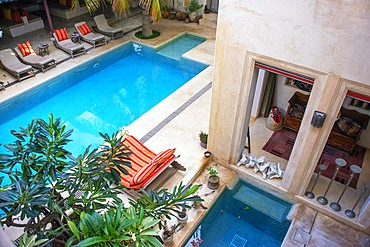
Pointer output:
x,y
73,41
10,63
147,152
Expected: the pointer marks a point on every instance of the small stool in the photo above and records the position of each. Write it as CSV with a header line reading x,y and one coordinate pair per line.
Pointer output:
x,y
75,37
43,49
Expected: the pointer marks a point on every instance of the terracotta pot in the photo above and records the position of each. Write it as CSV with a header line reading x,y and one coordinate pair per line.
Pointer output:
x,y
213,182
184,15
165,14
178,14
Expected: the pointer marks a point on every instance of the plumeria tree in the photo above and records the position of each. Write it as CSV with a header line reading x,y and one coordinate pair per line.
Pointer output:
x,y
151,10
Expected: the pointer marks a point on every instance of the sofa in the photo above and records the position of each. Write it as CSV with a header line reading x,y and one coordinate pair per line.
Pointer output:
x,y
346,130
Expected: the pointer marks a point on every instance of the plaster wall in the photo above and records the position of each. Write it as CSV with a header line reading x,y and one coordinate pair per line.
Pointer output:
x,y
325,40
329,36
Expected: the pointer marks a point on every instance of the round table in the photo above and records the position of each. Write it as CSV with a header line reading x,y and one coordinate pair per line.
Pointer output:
x,y
43,49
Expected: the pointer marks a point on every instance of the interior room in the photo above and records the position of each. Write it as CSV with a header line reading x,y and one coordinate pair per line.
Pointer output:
x,y
349,140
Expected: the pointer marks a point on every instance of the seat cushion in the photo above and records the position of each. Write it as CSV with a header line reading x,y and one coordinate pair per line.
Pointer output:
x,y
26,48
61,34
84,29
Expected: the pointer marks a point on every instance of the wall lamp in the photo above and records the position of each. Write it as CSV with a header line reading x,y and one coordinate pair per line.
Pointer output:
x,y
318,119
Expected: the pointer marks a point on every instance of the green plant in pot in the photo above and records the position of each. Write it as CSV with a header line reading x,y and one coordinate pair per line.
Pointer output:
x,y
203,138
213,179
42,172
193,7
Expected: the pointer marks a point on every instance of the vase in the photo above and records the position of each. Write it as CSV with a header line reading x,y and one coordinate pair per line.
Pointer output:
x,y
193,16
165,14
167,238
203,144
182,219
213,182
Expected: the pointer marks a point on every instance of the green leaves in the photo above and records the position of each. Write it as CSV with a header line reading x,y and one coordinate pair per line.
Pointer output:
x,y
30,241
116,227
164,202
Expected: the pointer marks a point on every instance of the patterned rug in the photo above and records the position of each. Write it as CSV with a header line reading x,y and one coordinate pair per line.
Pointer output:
x,y
281,144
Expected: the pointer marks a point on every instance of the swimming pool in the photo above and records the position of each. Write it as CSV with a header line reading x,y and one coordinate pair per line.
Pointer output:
x,y
101,95
244,216
178,46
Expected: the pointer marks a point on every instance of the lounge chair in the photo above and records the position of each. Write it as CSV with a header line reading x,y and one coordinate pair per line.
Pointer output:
x,y
36,61
88,36
64,43
10,63
103,27
146,165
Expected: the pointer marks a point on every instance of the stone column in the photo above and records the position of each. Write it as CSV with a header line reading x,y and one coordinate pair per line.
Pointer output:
x,y
327,96
233,74
364,215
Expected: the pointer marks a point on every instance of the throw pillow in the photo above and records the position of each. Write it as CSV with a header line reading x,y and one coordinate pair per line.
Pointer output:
x,y
143,174
61,34
297,111
348,126
84,29
26,48
163,156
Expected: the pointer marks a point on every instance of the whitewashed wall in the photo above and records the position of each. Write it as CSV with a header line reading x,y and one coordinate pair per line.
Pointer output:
x,y
328,36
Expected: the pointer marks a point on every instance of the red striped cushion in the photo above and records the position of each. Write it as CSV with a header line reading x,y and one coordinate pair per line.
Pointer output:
x,y
61,34
16,16
163,156
143,174
26,48
24,12
84,29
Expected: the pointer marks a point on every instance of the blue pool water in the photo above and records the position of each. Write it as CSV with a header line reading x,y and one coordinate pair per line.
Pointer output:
x,y
178,46
102,95
244,216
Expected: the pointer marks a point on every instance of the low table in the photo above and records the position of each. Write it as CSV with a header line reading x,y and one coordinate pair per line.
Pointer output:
x,y
75,37
43,49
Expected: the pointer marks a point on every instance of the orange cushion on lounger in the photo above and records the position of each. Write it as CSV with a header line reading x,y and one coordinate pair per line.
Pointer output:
x,y
163,156
26,48
84,29
61,34
143,173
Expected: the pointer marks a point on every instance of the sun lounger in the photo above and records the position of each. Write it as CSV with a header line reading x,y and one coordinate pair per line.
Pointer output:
x,y
36,61
146,165
103,27
88,36
66,44
10,63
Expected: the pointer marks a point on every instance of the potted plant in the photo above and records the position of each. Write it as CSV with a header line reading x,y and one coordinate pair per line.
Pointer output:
x,y
213,179
173,11
42,171
194,6
165,11
182,216
203,138
168,232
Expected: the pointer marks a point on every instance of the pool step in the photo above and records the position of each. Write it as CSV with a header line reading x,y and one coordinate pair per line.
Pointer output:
x,y
265,204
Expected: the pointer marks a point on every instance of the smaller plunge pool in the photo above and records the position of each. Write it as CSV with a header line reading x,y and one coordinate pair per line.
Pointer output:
x,y
244,216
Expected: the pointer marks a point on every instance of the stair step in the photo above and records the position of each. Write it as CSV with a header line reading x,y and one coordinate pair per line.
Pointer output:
x,y
275,209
